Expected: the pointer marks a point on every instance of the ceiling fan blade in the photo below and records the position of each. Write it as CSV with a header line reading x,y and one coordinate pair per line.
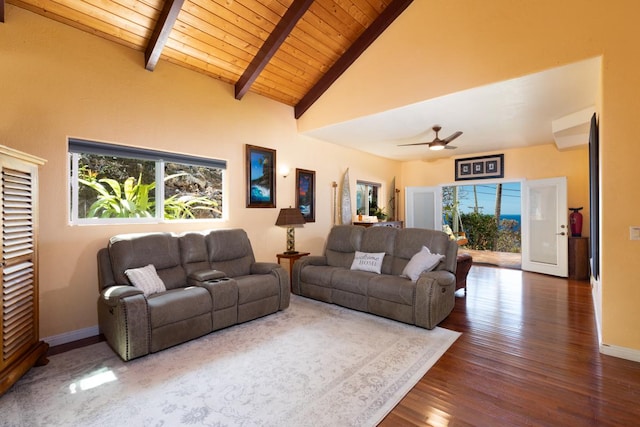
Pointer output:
x,y
451,137
449,147
417,143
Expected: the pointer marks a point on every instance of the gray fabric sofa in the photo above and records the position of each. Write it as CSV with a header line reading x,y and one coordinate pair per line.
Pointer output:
x,y
425,302
212,281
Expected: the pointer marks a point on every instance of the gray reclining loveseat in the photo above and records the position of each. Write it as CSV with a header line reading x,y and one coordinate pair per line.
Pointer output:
x,y
423,302
211,280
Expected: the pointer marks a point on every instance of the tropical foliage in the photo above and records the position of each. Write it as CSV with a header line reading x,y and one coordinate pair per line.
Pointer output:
x,y
135,199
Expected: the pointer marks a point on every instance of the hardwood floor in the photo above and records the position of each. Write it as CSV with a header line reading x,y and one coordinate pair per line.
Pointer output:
x,y
528,355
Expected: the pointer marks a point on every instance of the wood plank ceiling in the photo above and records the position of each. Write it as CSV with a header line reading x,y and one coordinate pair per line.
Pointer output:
x,y
287,50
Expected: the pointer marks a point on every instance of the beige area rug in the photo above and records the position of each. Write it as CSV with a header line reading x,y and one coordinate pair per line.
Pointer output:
x,y
313,364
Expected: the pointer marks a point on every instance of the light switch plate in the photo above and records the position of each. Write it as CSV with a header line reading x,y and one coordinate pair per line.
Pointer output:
x,y
634,233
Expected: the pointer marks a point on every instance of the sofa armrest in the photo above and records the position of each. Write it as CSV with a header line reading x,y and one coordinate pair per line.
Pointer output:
x,y
198,277
113,295
312,260
123,317
264,267
281,274
300,264
440,277
435,297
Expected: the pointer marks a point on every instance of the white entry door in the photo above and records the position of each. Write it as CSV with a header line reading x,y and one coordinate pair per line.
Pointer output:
x,y
544,226
423,207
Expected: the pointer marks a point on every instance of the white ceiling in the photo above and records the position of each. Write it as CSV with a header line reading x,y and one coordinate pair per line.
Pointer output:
x,y
513,113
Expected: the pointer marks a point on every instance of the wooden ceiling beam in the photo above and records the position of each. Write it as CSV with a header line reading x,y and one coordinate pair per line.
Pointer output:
x,y
369,35
271,45
161,32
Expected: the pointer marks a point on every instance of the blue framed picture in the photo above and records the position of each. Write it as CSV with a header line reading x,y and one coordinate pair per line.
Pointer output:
x,y
261,177
306,194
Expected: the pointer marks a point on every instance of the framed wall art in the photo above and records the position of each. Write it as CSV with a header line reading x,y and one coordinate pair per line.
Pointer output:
x,y
483,167
261,177
306,194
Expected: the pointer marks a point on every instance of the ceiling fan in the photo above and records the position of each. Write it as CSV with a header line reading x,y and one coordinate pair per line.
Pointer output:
x,y
437,143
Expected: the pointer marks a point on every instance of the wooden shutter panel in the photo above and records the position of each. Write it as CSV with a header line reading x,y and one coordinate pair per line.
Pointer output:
x,y
18,282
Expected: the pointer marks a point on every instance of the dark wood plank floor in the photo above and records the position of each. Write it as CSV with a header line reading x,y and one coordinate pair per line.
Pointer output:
x,y
528,355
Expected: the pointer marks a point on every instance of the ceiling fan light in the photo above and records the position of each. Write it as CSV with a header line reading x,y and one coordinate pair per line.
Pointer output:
x,y
436,147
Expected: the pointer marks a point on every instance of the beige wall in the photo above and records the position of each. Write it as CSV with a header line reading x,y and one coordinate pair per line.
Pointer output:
x,y
438,47
59,82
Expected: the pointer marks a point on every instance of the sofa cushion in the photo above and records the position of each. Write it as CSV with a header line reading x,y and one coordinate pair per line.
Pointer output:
x,y
380,239
256,287
421,262
410,241
138,250
396,289
342,243
146,279
193,252
318,274
230,252
355,282
178,304
365,261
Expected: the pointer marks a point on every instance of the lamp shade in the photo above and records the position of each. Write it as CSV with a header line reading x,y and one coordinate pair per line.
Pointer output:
x,y
290,217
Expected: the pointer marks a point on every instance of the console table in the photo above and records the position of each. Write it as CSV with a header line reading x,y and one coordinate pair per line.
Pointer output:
x,y
396,224
579,258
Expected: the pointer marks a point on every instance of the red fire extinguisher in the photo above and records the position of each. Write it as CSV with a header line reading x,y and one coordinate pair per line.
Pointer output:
x,y
575,221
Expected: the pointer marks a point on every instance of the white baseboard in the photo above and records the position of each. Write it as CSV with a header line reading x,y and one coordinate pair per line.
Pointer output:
x,y
610,350
595,297
76,335
621,352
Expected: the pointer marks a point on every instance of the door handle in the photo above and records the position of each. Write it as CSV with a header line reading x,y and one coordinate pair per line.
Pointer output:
x,y
560,234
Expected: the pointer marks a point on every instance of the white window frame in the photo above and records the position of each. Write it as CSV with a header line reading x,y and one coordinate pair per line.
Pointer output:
x,y
78,146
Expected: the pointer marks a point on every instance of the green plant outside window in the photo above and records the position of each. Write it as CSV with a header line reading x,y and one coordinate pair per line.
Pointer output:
x,y
110,187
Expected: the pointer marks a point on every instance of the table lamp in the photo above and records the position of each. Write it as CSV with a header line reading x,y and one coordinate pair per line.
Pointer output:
x,y
290,218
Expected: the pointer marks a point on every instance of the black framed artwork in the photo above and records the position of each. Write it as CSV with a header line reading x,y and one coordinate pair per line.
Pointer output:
x,y
483,167
306,194
261,177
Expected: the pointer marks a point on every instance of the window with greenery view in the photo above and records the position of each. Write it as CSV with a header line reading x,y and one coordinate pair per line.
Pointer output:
x,y
367,199
112,183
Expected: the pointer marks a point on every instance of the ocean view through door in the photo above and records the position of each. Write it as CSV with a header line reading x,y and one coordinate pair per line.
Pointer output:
x,y
486,220
521,224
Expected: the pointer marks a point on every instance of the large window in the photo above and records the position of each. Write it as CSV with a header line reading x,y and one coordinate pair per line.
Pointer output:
x,y
113,183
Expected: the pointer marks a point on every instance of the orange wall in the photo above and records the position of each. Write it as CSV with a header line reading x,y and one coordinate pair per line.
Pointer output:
x,y
438,47
60,82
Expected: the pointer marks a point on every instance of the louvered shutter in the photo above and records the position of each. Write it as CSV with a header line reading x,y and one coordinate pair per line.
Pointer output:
x,y
20,345
18,280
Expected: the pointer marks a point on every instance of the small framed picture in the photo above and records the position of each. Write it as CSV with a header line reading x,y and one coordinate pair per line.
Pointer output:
x,y
261,177
483,167
306,194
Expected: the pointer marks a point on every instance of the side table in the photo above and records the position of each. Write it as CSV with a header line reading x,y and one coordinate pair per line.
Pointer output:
x,y
579,268
292,258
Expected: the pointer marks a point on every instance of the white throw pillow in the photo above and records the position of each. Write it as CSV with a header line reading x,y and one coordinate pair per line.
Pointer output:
x,y
146,279
421,262
368,261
